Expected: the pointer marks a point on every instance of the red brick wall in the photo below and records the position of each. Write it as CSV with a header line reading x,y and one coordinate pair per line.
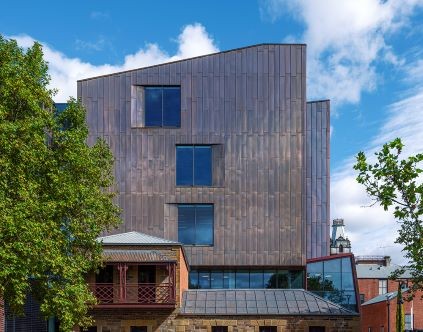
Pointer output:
x,y
376,315
370,287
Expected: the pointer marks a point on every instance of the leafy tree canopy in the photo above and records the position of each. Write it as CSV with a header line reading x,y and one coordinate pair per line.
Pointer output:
x,y
395,182
54,192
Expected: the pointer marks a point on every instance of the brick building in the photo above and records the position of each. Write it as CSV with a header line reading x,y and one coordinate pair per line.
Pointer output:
x,y
144,287
378,296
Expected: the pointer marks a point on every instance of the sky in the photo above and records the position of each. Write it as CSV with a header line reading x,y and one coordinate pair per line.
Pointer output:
x,y
366,56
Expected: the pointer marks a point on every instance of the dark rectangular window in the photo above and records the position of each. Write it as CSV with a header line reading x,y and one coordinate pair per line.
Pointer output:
x,y
195,224
193,165
138,329
316,329
90,329
219,329
267,329
162,106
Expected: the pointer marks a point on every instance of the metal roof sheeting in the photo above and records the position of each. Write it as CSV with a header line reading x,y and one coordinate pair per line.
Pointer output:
x,y
135,256
258,302
134,238
375,271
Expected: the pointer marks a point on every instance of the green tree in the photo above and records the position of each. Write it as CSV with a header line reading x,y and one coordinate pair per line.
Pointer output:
x,y
54,192
395,182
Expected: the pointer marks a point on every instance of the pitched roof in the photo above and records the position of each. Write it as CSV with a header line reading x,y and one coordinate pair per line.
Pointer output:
x,y
138,256
286,302
376,271
134,238
382,298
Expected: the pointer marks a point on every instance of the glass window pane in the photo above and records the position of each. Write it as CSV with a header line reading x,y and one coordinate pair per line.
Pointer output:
x,y
349,298
242,279
153,107
297,280
270,278
229,279
315,281
256,279
204,225
202,165
184,165
171,106
216,279
346,265
186,224
332,265
347,281
193,279
204,279
332,281
283,279
316,267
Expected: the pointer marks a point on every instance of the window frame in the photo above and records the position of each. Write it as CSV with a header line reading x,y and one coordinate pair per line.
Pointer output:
x,y
144,105
195,205
383,286
212,166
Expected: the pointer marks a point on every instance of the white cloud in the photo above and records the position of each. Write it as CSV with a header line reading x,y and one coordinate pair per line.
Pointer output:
x,y
192,41
346,39
371,229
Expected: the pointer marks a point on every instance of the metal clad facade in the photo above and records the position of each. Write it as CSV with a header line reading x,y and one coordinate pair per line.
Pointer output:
x,y
317,154
250,102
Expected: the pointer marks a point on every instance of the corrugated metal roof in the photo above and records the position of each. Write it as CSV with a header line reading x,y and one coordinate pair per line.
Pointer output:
x,y
375,271
134,238
135,256
258,302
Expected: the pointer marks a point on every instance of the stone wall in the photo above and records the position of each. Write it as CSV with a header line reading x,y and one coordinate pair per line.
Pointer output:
x,y
121,320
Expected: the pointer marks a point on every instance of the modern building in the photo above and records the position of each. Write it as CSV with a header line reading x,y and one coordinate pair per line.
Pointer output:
x,y
378,296
223,154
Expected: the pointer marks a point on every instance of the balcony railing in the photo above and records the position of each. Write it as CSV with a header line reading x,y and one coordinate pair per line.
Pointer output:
x,y
146,294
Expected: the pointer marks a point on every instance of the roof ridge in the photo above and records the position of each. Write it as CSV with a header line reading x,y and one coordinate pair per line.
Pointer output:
x,y
134,237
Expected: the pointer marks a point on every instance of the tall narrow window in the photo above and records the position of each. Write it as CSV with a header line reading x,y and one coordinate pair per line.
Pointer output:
x,y
195,224
383,286
194,165
162,106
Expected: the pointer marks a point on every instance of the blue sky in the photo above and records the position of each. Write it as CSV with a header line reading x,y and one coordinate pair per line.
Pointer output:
x,y
364,55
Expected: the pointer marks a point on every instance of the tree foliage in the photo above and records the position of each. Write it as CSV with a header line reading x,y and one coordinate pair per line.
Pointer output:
x,y
395,182
54,192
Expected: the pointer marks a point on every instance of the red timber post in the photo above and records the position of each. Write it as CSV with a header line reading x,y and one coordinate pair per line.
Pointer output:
x,y
122,282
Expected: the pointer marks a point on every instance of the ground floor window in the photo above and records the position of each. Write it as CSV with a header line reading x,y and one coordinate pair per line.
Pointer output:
x,y
267,329
316,329
138,329
219,329
245,278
